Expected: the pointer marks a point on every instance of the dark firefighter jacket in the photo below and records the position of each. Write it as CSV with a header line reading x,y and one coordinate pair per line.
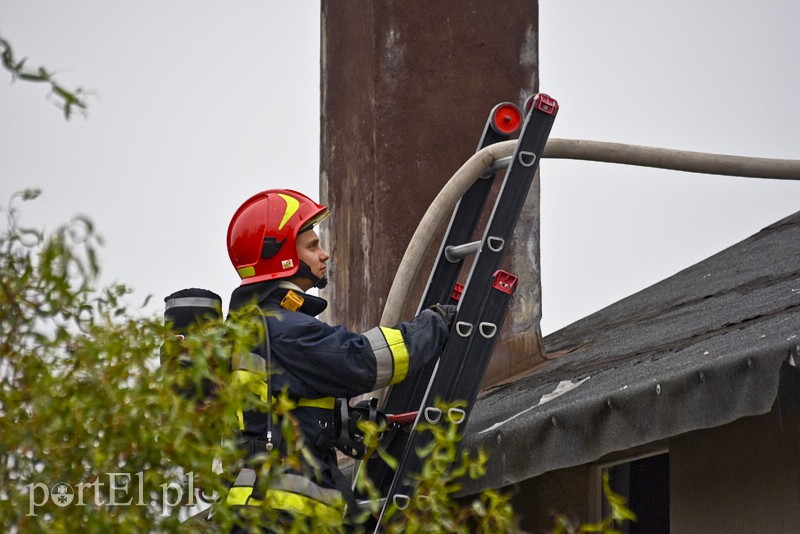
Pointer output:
x,y
316,363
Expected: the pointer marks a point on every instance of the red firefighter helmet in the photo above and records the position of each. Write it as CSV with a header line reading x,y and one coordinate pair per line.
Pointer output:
x,y
263,232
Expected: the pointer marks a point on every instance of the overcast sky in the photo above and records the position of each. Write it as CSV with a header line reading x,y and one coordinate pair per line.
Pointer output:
x,y
199,104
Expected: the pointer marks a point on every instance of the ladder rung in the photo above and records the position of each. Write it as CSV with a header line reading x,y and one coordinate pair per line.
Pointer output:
x,y
455,253
363,504
500,164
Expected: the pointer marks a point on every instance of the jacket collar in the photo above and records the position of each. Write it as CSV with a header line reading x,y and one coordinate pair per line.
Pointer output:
x,y
271,293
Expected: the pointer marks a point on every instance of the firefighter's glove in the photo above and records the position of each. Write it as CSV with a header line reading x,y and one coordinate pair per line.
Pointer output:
x,y
447,312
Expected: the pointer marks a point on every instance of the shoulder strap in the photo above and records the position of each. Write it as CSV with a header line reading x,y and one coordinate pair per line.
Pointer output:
x,y
343,485
268,357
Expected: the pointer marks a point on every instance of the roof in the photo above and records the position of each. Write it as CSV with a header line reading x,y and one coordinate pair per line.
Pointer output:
x,y
700,349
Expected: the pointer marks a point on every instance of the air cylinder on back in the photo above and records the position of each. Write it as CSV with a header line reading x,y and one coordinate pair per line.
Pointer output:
x,y
184,310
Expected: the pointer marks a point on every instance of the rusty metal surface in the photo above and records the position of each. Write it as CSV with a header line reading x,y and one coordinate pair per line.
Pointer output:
x,y
406,89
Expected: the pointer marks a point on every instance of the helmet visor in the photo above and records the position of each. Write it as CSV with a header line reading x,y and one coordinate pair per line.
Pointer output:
x,y
314,221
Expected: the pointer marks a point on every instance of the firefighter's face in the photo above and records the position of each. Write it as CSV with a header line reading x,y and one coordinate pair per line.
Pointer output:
x,y
310,251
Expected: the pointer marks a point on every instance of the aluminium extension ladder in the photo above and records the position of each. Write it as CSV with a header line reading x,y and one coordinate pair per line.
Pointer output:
x,y
483,301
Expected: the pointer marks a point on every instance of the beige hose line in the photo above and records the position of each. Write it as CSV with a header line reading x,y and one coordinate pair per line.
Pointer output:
x,y
678,160
479,164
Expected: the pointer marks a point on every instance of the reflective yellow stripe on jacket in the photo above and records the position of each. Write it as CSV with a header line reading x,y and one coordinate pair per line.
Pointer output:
x,y
391,355
292,493
286,501
254,383
327,403
250,371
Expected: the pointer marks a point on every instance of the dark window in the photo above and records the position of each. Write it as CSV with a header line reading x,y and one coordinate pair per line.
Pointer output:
x,y
645,484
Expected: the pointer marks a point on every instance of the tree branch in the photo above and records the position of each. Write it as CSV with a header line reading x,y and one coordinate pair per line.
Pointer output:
x,y
68,101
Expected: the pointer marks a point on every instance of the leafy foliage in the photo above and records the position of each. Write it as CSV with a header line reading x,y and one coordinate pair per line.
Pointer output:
x,y
100,430
620,513
69,101
433,506
90,411
84,407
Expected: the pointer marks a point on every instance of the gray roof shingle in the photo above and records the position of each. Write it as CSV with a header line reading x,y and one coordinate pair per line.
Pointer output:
x,y
702,348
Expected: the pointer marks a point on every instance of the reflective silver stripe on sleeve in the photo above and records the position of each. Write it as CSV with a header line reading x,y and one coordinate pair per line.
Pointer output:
x,y
193,302
245,477
383,357
249,361
293,483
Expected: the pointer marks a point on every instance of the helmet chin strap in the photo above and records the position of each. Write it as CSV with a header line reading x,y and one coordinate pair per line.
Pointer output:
x,y
305,272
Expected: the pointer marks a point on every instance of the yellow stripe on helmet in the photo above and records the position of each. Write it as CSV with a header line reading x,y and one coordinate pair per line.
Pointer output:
x,y
292,205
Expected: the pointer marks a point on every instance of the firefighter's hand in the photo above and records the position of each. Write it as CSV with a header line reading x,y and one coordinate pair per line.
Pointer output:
x,y
446,311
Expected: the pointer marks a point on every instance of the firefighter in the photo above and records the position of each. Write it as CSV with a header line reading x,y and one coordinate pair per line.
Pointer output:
x,y
278,255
